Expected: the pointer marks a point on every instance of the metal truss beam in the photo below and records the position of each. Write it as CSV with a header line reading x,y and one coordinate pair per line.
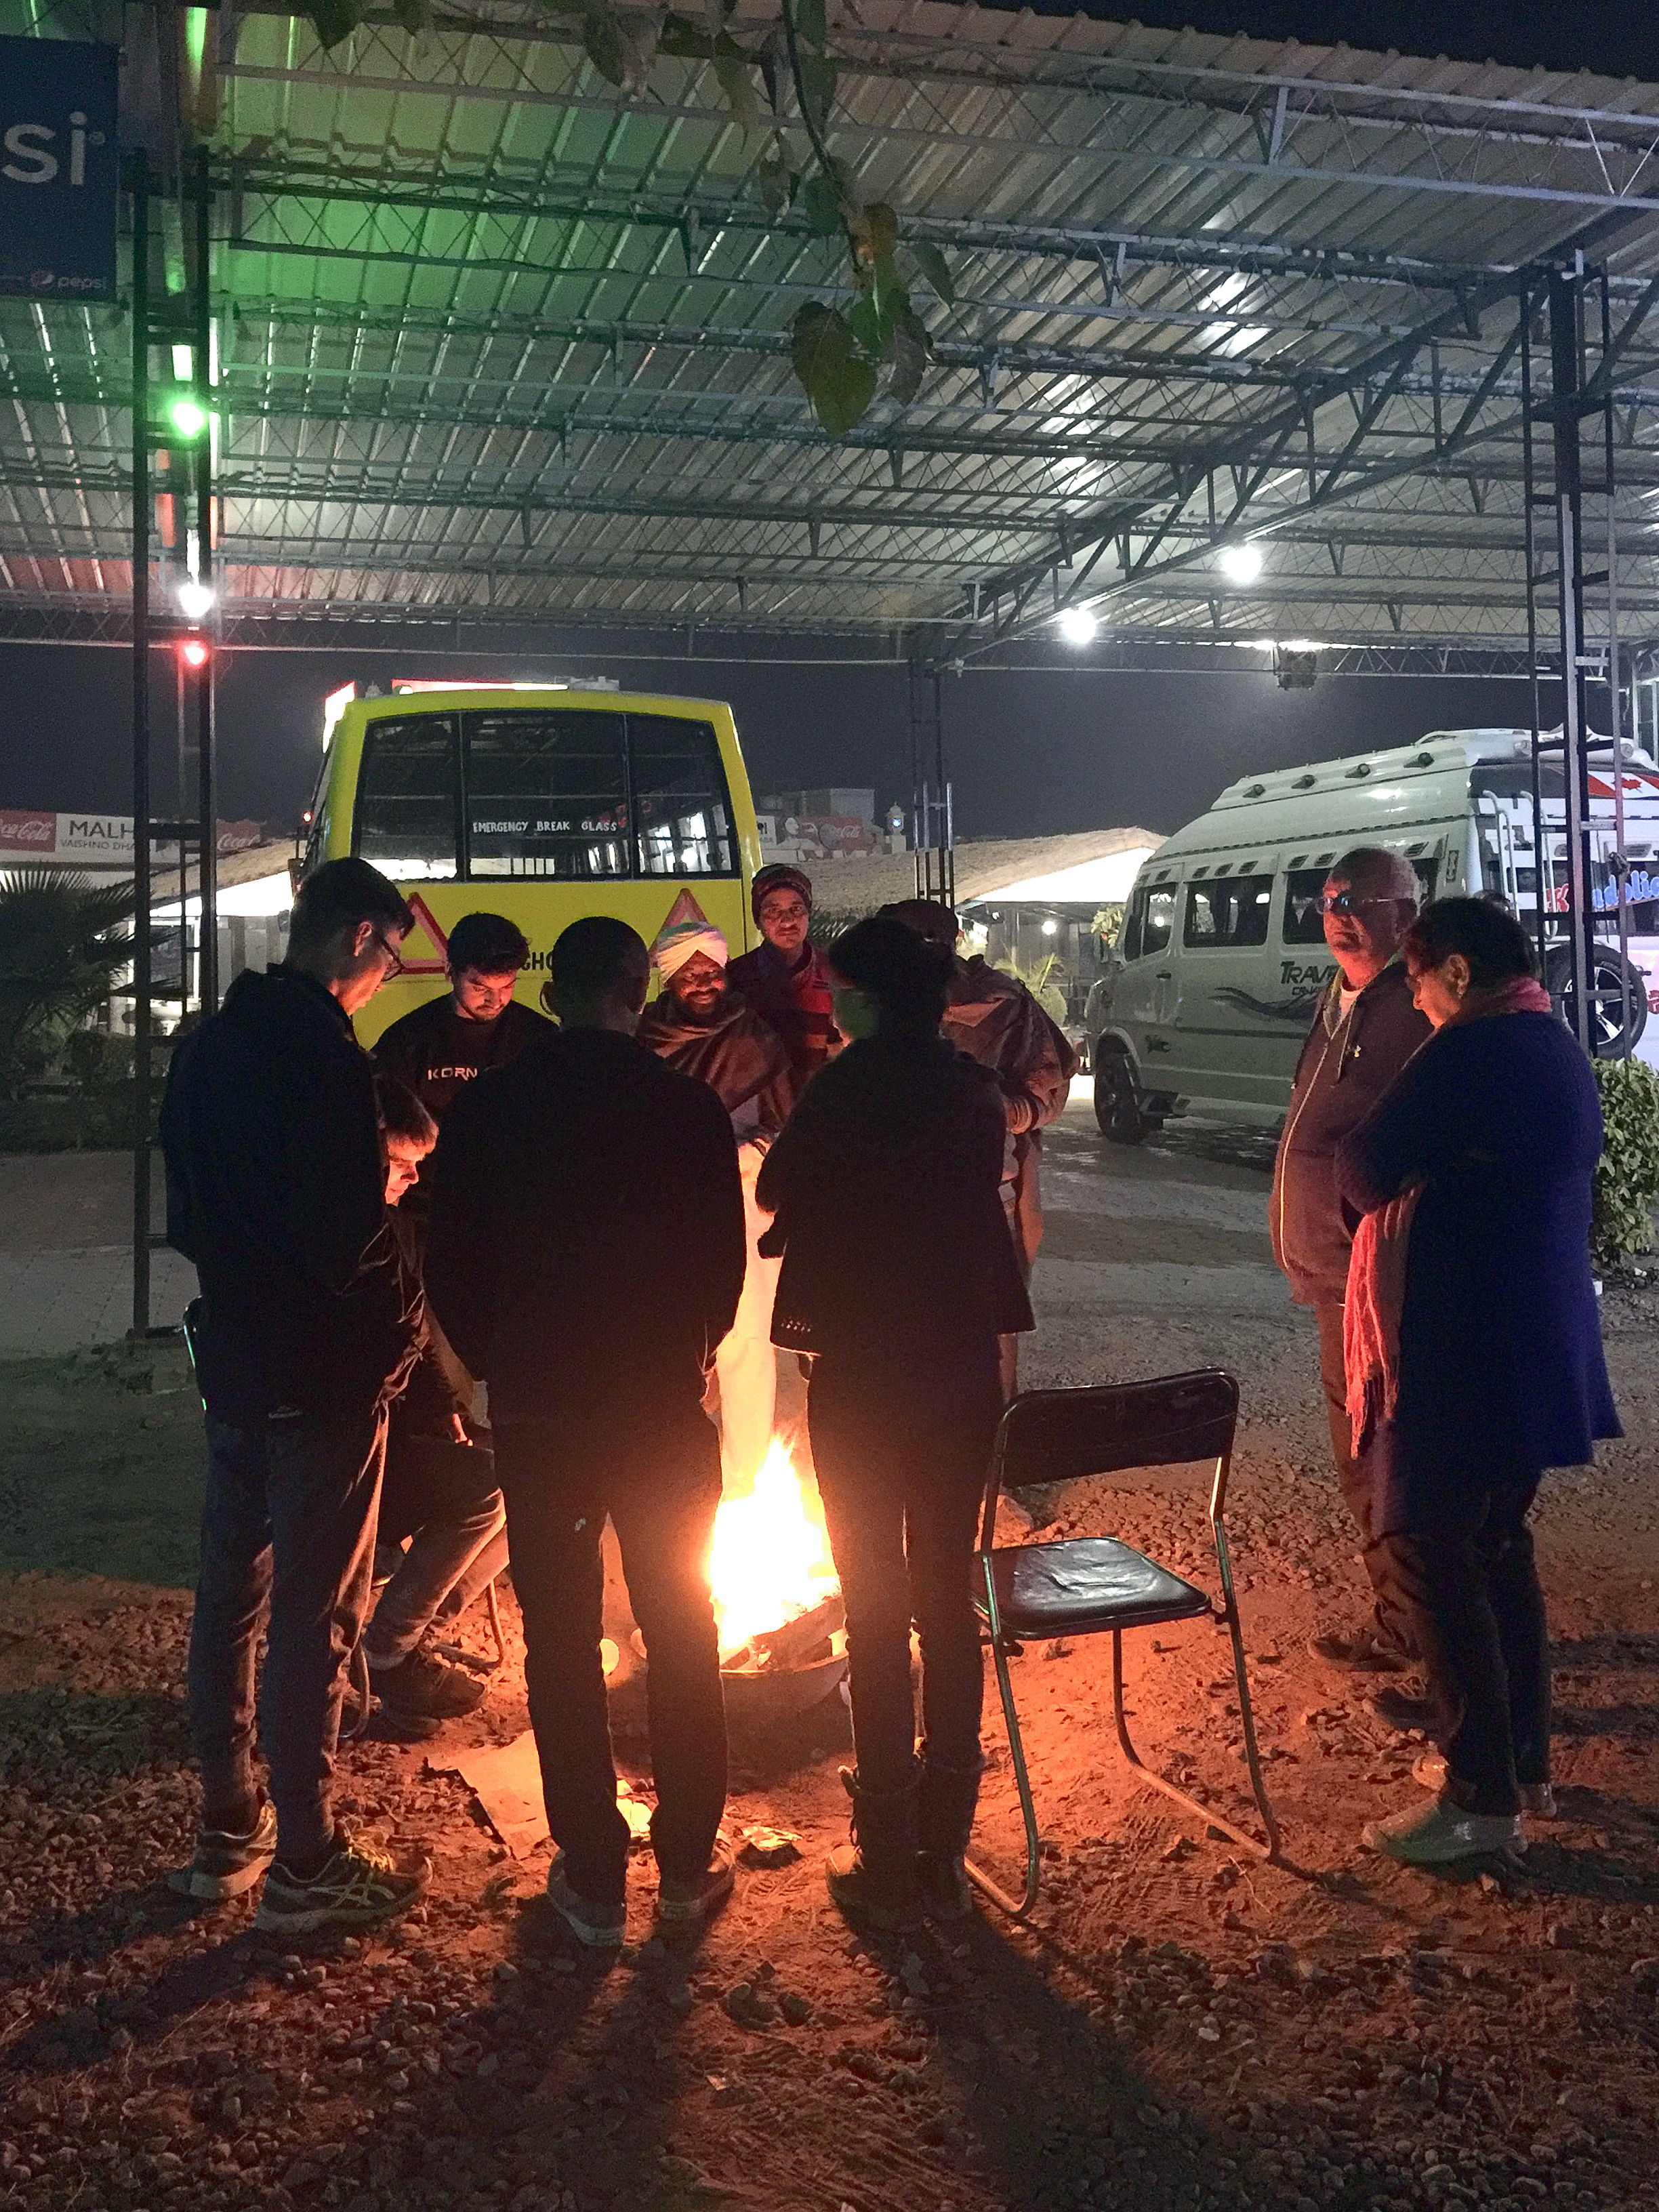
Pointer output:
x,y
1338,132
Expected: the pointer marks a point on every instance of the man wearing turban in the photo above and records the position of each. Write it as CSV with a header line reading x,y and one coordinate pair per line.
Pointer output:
x,y
698,1025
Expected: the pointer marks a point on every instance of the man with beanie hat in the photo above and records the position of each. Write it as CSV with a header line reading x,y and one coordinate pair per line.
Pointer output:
x,y
700,1027
786,979
995,1020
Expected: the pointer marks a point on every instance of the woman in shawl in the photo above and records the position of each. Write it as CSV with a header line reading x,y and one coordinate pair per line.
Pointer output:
x,y
1475,1358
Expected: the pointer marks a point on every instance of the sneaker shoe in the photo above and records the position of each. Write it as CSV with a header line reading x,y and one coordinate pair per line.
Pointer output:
x,y
601,1927
1536,1798
1442,1834
1361,1650
1398,1710
945,1892
681,1903
423,1687
357,1886
225,1864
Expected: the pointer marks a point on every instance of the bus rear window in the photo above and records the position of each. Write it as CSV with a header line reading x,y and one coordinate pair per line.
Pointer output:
x,y
546,795
685,823
407,798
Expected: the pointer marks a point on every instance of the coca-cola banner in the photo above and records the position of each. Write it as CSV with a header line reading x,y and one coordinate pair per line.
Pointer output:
x,y
97,840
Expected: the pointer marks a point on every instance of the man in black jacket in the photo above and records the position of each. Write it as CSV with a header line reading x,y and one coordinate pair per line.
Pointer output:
x,y
1364,1029
587,1255
276,1191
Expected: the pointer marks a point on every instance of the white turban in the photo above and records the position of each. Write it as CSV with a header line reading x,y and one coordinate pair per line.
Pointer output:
x,y
681,941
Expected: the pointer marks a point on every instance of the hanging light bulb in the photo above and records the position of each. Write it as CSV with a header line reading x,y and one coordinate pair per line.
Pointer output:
x,y
1078,625
1240,564
196,600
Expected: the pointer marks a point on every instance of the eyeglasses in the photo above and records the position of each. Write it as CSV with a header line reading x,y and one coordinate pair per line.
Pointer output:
x,y
394,958
1345,903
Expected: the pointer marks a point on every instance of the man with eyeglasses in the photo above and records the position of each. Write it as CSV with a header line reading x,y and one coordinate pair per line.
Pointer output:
x,y
277,1192
1365,1030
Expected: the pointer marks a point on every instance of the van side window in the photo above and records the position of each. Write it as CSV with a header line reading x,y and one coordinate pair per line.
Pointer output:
x,y
1303,924
1233,910
409,797
1159,925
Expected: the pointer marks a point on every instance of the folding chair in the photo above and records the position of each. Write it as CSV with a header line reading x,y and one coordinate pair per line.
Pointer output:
x,y
1090,1585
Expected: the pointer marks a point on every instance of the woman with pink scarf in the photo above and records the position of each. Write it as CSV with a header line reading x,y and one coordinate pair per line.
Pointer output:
x,y
1473,1355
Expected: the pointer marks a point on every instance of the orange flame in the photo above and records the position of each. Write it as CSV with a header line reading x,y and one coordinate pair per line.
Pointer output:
x,y
771,1557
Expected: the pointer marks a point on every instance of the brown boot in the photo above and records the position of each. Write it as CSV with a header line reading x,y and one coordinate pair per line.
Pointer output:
x,y
873,1879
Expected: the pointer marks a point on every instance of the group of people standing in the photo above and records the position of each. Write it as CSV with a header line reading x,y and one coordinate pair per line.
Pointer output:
x,y
625,1211
1432,1202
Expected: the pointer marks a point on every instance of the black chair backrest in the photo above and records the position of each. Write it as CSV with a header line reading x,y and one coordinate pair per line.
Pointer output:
x,y
1050,1436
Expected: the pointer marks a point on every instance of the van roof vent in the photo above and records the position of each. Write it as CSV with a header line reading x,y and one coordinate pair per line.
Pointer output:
x,y
1204,871
1296,861
1223,867
1304,783
1421,846
1359,769
1425,760
1255,791
1323,860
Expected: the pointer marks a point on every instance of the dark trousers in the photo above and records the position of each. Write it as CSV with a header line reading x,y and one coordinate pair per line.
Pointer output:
x,y
441,1494
1463,1584
901,1462
561,1481
1352,1477
287,1539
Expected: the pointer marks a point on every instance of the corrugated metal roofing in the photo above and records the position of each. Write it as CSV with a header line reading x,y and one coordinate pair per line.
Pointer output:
x,y
495,341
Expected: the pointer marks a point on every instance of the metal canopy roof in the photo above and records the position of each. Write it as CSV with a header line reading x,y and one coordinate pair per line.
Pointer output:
x,y
497,343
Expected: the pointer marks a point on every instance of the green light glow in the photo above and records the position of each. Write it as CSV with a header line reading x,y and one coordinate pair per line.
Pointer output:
x,y
187,417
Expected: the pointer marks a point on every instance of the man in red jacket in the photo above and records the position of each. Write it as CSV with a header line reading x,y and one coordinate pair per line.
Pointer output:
x,y
1365,1027
786,979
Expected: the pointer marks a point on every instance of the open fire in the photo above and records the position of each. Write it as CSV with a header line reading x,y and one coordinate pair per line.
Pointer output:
x,y
771,1559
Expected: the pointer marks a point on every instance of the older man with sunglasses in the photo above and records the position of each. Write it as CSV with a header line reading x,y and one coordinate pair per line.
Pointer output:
x,y
1365,1027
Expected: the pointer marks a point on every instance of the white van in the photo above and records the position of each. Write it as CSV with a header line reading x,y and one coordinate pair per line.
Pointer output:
x,y
1222,953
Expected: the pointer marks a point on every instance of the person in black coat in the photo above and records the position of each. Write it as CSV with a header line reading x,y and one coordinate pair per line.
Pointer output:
x,y
899,1276
585,1256
276,1191
1474,1356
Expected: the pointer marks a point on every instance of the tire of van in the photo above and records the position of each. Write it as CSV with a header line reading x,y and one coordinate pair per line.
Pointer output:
x,y
1616,987
1117,1104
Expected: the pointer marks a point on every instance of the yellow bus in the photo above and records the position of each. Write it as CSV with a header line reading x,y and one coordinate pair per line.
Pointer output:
x,y
543,803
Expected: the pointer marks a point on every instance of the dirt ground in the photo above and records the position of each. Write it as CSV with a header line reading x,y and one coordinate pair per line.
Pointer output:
x,y
1182,2028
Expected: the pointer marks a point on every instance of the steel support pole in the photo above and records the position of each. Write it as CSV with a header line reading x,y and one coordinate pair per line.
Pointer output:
x,y
1530,501
207,800
141,797
1566,357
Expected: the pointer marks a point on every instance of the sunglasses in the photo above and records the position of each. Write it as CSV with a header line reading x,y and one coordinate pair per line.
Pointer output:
x,y
1345,903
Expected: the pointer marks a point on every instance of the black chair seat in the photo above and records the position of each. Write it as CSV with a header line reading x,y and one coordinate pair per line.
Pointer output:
x,y
1086,1584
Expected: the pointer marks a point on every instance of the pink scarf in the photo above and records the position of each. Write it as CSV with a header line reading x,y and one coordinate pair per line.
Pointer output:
x,y
1376,1266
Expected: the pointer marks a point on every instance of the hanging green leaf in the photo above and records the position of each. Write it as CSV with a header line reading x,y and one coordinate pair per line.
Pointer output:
x,y
620,47
733,68
934,267
873,229
812,28
415,15
835,376
892,300
686,40
864,320
823,205
817,88
909,364
335,19
778,182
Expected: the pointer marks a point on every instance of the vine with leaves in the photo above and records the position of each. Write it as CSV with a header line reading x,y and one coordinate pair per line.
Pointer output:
x,y
844,355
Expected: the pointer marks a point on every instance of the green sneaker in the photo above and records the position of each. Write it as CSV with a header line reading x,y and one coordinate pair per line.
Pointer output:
x,y
357,1886
225,1865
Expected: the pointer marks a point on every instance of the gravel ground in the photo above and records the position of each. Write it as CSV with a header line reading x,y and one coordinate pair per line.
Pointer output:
x,y
1182,2028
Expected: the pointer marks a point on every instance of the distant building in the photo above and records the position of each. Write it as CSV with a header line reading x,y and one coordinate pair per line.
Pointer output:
x,y
808,826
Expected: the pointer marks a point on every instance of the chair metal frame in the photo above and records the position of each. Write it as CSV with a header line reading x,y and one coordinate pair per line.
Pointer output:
x,y
1003,1645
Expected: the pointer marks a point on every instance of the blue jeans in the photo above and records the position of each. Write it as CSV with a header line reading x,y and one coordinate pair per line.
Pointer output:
x,y
443,1495
287,1545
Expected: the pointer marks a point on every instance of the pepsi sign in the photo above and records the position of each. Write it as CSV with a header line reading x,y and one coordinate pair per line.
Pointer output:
x,y
59,169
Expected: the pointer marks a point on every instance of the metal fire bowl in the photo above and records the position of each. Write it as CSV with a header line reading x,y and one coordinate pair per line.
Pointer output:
x,y
761,1698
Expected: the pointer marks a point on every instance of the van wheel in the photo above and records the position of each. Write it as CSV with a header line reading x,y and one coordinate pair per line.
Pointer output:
x,y
1117,1107
1619,999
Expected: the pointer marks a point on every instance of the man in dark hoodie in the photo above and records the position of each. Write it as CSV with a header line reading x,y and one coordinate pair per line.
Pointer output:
x,y
994,1019
276,1191
1365,1027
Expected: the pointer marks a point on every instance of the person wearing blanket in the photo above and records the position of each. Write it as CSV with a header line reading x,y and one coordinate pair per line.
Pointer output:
x,y
1473,1358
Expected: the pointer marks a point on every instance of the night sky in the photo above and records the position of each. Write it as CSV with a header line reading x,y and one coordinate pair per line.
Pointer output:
x,y
1030,754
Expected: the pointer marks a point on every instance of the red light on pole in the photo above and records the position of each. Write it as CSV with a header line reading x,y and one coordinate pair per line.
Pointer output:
x,y
193,653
